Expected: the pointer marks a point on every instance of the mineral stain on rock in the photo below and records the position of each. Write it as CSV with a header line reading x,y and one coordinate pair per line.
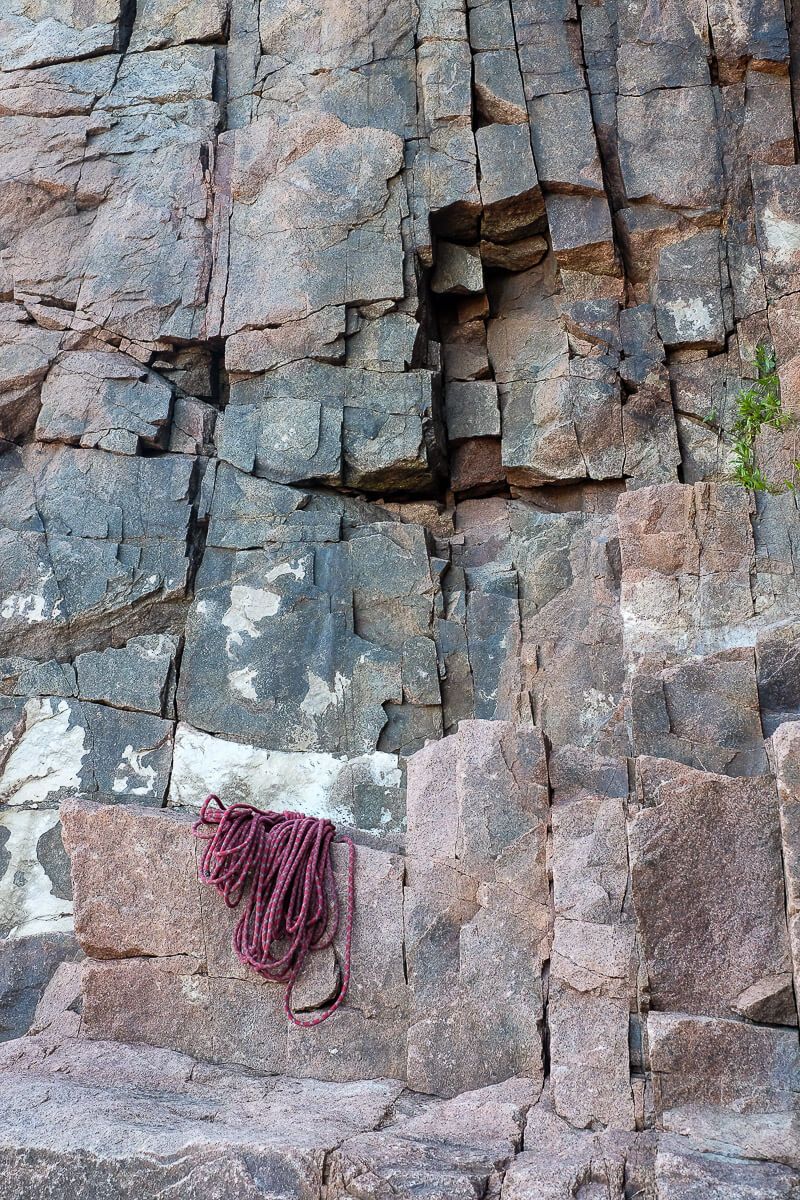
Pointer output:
x,y
368,382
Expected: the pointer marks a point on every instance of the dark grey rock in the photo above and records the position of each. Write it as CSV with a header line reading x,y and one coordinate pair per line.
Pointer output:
x,y
141,676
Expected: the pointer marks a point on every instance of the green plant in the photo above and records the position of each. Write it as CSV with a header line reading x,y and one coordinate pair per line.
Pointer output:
x,y
759,407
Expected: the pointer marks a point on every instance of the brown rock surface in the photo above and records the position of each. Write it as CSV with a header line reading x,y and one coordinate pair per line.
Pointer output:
x,y
696,840
370,384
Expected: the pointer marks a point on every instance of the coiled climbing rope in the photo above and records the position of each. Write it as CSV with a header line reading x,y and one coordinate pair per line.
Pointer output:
x,y
282,863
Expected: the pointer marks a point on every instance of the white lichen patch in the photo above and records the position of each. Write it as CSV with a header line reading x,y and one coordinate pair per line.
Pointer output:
x,y
47,758
241,681
31,608
27,902
782,236
133,776
320,697
249,606
311,782
192,989
596,707
297,571
692,318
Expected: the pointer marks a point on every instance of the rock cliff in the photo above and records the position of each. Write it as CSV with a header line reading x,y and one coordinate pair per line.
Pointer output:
x,y
373,388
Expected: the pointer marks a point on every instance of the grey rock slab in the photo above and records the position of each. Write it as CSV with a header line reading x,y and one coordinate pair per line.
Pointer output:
x,y
778,226
451,1150
141,676
57,746
499,94
688,299
476,893
550,52
570,622
687,554
703,711
668,148
682,1174
563,140
167,22
509,183
457,269
593,945
27,965
90,539
32,33
190,1137
472,410
311,158
26,354
558,1160
60,89
776,651
786,755
321,423
104,400
247,513
581,233
257,615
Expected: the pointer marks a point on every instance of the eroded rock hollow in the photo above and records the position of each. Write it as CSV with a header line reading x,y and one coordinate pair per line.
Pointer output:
x,y
373,392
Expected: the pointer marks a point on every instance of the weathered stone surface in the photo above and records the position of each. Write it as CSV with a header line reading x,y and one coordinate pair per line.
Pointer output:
x,y
32,33
688,172
786,754
169,22
27,964
26,353
681,1173
777,226
703,711
472,411
451,1150
370,429
558,1160
389,358
104,400
697,840
688,298
563,140
53,748
194,993
751,1108
90,540
190,1138
686,559
153,911
141,676
476,894
593,942
332,262
364,791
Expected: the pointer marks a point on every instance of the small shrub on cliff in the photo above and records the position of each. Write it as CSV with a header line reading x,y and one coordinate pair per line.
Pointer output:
x,y
759,407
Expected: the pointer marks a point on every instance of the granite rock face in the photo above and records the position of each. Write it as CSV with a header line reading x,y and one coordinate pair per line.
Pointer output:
x,y
369,382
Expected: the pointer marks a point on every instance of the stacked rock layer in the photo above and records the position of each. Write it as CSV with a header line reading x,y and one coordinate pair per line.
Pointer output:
x,y
369,376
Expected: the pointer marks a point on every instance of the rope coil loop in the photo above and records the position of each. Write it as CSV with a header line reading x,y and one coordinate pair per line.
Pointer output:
x,y
282,863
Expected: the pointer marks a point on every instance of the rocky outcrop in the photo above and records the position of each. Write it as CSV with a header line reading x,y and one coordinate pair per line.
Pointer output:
x,y
98,1117
369,382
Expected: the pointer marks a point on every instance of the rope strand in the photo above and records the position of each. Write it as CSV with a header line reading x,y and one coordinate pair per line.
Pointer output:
x,y
283,862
